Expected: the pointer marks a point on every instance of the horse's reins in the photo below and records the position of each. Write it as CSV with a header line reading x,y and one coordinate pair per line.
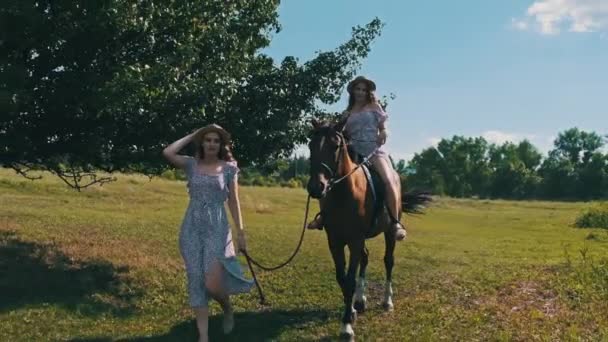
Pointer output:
x,y
333,181
251,261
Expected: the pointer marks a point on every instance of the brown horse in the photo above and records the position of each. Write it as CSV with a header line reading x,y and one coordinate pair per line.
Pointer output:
x,y
347,205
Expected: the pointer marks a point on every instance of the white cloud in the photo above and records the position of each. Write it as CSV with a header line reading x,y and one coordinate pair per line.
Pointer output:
x,y
542,142
551,16
498,137
519,24
399,155
434,141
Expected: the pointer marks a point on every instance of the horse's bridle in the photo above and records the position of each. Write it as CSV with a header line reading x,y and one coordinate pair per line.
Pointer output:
x,y
334,179
333,173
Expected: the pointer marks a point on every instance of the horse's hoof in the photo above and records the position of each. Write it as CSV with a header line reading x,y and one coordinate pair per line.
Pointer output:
x,y
360,305
347,337
346,332
388,306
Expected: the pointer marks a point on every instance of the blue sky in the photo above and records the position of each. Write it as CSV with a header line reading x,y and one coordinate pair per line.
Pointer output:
x,y
502,69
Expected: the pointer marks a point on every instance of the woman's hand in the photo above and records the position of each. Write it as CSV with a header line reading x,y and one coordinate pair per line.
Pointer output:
x,y
171,152
382,137
241,241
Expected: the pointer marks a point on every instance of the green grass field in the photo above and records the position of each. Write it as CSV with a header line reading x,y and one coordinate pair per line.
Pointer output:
x,y
103,265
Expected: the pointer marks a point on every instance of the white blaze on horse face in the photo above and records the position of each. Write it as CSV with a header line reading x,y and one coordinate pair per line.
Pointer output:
x,y
337,155
321,143
321,175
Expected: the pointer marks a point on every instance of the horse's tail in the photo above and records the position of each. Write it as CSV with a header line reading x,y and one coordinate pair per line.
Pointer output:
x,y
414,202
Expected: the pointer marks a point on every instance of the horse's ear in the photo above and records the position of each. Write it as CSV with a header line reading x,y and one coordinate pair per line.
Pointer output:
x,y
339,127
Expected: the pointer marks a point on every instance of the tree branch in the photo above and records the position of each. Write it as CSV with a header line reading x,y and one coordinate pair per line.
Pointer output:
x,y
74,178
23,169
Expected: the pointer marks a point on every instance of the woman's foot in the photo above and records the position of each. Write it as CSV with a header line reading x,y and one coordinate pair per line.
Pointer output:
x,y
317,223
400,232
228,324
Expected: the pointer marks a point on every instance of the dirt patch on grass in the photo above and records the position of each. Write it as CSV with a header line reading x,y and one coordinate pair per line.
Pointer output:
x,y
533,308
528,297
8,225
91,243
263,208
125,251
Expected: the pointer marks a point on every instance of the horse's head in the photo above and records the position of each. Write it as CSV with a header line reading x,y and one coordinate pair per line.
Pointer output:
x,y
325,146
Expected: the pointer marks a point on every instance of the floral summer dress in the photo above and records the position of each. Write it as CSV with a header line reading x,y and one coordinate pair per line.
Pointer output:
x,y
205,234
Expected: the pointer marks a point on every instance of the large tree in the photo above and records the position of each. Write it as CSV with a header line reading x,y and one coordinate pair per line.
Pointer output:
x,y
457,167
575,168
462,167
104,85
514,170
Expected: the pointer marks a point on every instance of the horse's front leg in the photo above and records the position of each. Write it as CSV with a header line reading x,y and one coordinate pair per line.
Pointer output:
x,y
360,298
350,315
337,253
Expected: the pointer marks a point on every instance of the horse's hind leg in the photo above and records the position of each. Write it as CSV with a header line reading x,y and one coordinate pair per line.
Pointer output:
x,y
389,261
360,298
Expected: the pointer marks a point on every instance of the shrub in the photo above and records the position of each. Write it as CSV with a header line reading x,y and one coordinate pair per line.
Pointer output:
x,y
596,217
168,174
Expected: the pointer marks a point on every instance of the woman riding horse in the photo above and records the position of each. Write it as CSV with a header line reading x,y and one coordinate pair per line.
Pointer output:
x,y
366,127
351,215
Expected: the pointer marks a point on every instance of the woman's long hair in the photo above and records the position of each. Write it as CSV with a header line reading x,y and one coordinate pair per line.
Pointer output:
x,y
371,97
225,152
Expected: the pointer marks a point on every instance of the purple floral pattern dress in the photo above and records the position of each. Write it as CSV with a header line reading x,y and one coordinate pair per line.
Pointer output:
x,y
362,128
205,234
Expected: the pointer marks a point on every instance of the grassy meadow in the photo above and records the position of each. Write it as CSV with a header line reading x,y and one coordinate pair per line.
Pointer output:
x,y
104,265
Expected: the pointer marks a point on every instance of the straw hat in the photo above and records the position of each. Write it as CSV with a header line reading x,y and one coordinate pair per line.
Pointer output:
x,y
371,86
224,135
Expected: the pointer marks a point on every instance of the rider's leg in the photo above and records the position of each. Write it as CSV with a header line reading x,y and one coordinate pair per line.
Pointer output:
x,y
384,168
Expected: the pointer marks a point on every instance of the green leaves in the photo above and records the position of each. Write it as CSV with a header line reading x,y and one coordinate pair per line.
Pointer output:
x,y
107,84
462,167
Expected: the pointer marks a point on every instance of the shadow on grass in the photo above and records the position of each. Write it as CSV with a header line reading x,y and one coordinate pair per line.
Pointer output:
x,y
249,326
34,274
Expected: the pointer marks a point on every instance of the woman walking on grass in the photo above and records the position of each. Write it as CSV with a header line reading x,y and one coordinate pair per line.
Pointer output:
x,y
205,239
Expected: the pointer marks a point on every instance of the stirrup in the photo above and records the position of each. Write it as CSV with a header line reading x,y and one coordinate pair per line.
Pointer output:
x,y
315,224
